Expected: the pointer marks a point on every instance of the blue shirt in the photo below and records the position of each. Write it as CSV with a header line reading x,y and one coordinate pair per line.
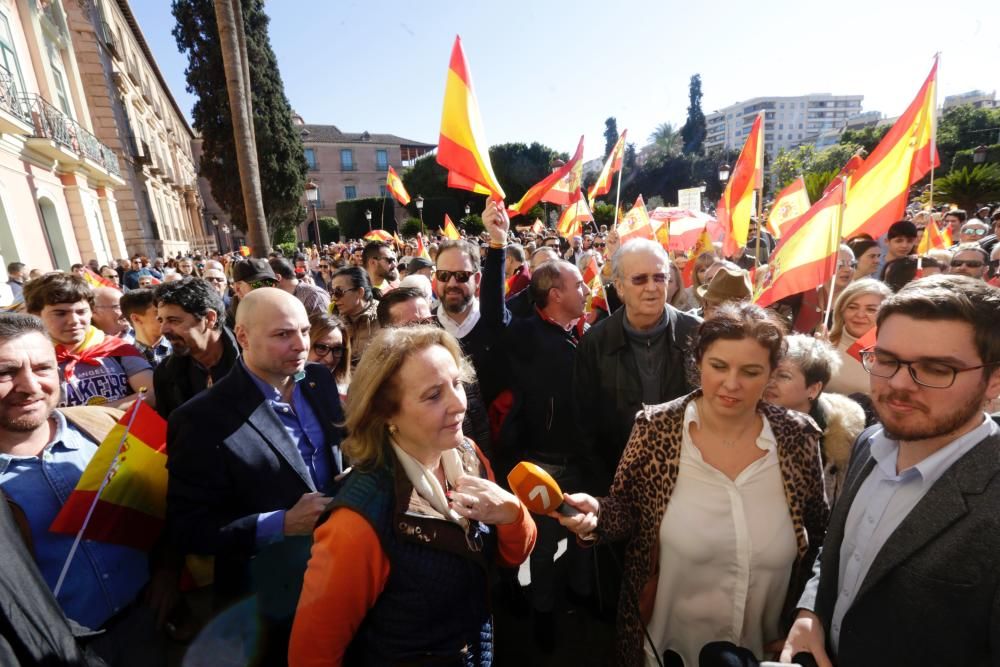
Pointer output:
x,y
155,354
305,430
884,499
103,578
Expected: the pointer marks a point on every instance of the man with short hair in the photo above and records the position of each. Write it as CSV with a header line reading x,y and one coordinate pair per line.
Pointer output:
x,y
969,259
908,572
97,369
78,270
901,239
185,267
110,275
43,454
191,317
15,279
252,461
636,356
379,260
108,315
420,266
136,271
517,273
315,300
139,308
520,304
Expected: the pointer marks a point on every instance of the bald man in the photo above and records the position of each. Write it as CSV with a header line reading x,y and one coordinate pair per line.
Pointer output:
x,y
254,459
107,313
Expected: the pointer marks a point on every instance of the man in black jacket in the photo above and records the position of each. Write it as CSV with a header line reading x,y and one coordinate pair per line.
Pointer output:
x,y
636,356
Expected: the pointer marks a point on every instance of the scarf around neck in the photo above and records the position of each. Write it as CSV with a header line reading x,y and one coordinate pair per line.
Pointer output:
x,y
95,346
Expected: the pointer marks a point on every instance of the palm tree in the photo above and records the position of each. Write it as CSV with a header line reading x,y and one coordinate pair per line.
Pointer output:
x,y
666,141
969,188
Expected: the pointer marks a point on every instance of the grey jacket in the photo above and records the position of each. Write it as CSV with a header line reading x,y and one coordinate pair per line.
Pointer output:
x,y
932,595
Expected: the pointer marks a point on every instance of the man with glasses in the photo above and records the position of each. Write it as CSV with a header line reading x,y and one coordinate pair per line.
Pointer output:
x,y
970,260
974,231
136,270
107,314
908,572
379,260
633,357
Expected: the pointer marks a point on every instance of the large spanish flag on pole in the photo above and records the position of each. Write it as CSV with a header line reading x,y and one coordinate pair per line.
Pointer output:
x,y
788,207
736,205
462,147
612,165
538,191
394,184
122,495
879,189
569,188
806,257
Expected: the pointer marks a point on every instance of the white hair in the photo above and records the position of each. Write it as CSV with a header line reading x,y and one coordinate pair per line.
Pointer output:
x,y
421,282
635,246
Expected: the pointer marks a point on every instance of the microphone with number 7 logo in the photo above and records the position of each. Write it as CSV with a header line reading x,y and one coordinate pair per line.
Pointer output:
x,y
537,490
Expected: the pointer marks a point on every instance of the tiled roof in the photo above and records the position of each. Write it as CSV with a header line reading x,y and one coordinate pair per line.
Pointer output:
x,y
331,134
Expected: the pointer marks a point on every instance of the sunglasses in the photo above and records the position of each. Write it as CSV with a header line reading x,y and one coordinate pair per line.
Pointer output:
x,y
322,349
324,267
975,231
338,293
460,276
600,245
971,263
643,278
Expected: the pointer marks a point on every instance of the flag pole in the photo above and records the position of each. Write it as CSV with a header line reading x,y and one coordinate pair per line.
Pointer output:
x,y
618,190
756,252
833,279
97,496
937,61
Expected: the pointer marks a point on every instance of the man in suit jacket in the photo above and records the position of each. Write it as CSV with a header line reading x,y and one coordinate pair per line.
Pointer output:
x,y
251,457
909,573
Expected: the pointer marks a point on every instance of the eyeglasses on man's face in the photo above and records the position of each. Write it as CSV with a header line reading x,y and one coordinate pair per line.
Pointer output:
x,y
925,372
643,278
971,263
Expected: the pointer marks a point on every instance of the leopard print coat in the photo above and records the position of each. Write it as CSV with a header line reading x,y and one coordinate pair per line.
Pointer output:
x,y
646,477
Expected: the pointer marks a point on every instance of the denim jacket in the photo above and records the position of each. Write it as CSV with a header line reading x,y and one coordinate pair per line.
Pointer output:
x,y
103,578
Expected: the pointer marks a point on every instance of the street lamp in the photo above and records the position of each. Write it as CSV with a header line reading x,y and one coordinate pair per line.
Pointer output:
x,y
368,217
724,171
468,209
979,155
312,196
225,230
215,226
420,210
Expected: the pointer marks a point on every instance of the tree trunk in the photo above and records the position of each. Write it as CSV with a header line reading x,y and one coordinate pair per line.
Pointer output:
x,y
246,151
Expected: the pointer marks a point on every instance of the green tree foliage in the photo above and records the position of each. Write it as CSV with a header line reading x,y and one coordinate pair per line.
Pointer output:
x,y
804,160
965,127
410,228
472,224
629,158
352,220
604,214
666,177
969,188
694,130
610,135
816,182
519,166
665,142
329,229
866,137
280,153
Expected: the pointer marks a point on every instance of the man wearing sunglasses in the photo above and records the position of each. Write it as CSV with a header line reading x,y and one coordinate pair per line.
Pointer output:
x,y
970,260
379,260
908,572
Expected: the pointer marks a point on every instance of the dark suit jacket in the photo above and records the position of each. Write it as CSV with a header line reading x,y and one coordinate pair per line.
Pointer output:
x,y
932,595
230,459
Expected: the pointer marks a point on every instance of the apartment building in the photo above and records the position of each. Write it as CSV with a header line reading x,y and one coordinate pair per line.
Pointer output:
x,y
58,180
980,99
133,112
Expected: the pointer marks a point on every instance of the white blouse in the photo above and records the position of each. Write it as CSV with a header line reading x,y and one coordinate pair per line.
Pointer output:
x,y
727,548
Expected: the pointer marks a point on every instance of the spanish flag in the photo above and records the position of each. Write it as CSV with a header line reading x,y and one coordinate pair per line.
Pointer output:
x,y
932,239
806,256
537,227
879,189
636,224
612,165
538,191
395,185
421,249
598,297
96,280
449,229
845,172
788,207
462,147
703,245
131,508
736,206
378,235
569,188
572,219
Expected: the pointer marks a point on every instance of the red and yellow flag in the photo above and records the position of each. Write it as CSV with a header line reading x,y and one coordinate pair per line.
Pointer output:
x,y
703,245
788,207
612,165
96,280
538,191
537,227
449,229
568,189
932,239
806,256
636,224
846,172
133,504
394,184
879,189
378,235
421,250
245,250
866,342
572,219
598,297
736,206
462,146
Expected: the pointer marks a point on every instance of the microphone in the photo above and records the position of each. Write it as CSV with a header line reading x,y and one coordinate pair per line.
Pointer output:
x,y
537,490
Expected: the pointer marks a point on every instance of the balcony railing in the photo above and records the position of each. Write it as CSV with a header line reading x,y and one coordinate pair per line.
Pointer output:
x,y
110,40
10,100
51,123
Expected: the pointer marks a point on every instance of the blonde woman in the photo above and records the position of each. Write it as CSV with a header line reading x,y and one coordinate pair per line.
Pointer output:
x,y
400,567
854,313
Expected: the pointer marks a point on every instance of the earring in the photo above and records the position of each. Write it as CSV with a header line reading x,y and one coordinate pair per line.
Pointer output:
x,y
393,429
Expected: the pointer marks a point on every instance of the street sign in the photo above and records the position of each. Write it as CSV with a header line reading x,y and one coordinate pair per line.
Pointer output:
x,y
690,198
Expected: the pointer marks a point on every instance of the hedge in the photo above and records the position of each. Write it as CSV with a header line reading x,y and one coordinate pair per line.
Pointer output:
x,y
351,216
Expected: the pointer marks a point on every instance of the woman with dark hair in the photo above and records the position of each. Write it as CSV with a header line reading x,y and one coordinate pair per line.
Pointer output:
x,y
352,299
720,499
330,345
401,565
868,254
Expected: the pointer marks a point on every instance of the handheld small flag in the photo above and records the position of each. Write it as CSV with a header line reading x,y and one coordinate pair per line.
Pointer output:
x,y
538,191
788,207
421,250
866,342
378,235
538,227
932,239
245,250
449,230
572,219
703,245
636,224
611,166
96,280
394,184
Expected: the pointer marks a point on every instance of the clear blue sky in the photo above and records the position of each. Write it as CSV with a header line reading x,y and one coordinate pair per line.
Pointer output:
x,y
548,71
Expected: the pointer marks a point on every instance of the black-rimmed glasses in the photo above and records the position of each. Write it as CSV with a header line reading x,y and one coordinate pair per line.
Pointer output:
x,y
932,374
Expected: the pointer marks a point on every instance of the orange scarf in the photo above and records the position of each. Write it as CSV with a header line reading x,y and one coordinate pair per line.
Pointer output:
x,y
95,346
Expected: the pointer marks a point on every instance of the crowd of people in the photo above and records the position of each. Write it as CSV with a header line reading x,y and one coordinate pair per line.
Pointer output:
x,y
743,484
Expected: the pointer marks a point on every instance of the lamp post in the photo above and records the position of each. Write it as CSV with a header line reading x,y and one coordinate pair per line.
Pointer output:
x,y
225,230
312,196
215,226
420,210
368,217
979,155
468,209
724,171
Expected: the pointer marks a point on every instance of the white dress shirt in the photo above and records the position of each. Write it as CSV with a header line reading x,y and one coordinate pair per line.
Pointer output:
x,y
726,553
884,499
456,329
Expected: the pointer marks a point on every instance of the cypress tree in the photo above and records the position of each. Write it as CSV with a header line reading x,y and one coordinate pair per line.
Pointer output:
x,y
694,130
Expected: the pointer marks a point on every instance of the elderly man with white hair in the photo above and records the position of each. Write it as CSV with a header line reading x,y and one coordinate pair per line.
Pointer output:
x,y
635,356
